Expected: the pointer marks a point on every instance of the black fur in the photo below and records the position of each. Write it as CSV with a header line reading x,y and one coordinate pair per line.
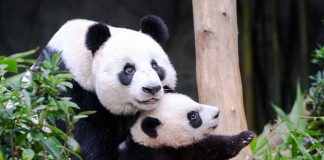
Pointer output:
x,y
100,134
211,148
195,123
149,125
159,70
124,77
155,27
97,34
167,89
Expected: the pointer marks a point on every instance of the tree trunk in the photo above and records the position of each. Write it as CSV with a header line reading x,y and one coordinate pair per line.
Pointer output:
x,y
217,65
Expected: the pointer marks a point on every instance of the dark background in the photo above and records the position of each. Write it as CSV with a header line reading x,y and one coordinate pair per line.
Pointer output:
x,y
276,40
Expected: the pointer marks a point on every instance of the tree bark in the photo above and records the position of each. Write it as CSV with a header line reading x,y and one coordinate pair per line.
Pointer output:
x,y
217,64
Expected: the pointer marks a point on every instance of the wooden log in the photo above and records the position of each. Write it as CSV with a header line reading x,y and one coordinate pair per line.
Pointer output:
x,y
217,64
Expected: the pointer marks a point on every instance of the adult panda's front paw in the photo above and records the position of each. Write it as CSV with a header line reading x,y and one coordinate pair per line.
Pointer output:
x,y
246,137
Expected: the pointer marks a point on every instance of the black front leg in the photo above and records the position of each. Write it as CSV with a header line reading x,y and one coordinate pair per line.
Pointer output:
x,y
219,147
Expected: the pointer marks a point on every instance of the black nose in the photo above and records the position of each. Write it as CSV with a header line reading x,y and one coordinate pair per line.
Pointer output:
x,y
217,114
151,90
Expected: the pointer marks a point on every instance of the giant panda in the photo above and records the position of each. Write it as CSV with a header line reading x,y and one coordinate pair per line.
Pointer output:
x,y
117,72
180,134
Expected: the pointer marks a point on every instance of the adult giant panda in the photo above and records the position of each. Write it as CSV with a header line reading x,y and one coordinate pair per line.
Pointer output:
x,y
116,72
182,134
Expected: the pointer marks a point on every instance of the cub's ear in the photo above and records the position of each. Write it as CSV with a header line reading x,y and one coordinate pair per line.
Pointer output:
x,y
149,125
155,27
97,34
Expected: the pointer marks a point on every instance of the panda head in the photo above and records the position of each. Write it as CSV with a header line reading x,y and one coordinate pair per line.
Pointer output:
x,y
178,121
127,69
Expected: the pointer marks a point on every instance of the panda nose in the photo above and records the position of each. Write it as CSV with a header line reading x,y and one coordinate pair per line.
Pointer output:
x,y
151,90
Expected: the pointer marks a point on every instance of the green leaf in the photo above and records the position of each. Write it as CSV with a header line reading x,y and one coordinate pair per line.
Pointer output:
x,y
52,148
42,117
280,113
298,110
73,144
1,155
39,100
28,154
20,139
26,98
59,132
47,56
253,144
63,85
55,59
30,61
261,145
312,132
69,103
294,149
314,146
87,112
15,79
268,154
72,152
23,54
12,65
300,146
77,117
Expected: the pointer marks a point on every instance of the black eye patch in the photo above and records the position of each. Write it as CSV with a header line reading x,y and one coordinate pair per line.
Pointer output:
x,y
194,119
167,89
159,70
126,75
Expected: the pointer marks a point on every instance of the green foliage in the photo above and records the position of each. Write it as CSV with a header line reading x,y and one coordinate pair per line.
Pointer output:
x,y
298,140
29,108
300,136
318,57
315,97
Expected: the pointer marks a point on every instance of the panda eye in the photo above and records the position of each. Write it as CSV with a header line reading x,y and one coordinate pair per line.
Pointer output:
x,y
192,115
154,65
129,69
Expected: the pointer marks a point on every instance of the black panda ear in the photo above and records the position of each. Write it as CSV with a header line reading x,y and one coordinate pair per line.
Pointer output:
x,y
97,34
149,125
155,27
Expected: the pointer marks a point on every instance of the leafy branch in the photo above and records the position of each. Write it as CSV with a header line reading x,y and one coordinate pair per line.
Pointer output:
x,y
30,107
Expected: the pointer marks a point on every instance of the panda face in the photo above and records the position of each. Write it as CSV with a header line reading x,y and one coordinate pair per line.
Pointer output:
x,y
126,69
130,71
177,121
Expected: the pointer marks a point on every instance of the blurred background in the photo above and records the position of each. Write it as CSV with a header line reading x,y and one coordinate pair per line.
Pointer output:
x,y
276,40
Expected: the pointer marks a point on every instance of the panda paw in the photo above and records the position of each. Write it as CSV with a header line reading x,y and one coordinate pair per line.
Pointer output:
x,y
246,137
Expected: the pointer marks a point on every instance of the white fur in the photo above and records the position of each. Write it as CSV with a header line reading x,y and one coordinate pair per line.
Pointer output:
x,y
175,130
70,41
99,73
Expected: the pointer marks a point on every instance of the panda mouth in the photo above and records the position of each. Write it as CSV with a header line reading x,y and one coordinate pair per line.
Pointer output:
x,y
210,129
213,128
149,101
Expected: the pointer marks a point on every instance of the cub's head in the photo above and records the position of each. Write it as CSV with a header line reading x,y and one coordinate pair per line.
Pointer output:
x,y
177,121
128,70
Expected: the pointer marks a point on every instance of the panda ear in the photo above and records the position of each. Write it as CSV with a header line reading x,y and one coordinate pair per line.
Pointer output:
x,y
155,27
97,34
149,125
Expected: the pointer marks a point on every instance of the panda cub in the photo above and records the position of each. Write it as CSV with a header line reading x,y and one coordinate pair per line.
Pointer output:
x,y
182,134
